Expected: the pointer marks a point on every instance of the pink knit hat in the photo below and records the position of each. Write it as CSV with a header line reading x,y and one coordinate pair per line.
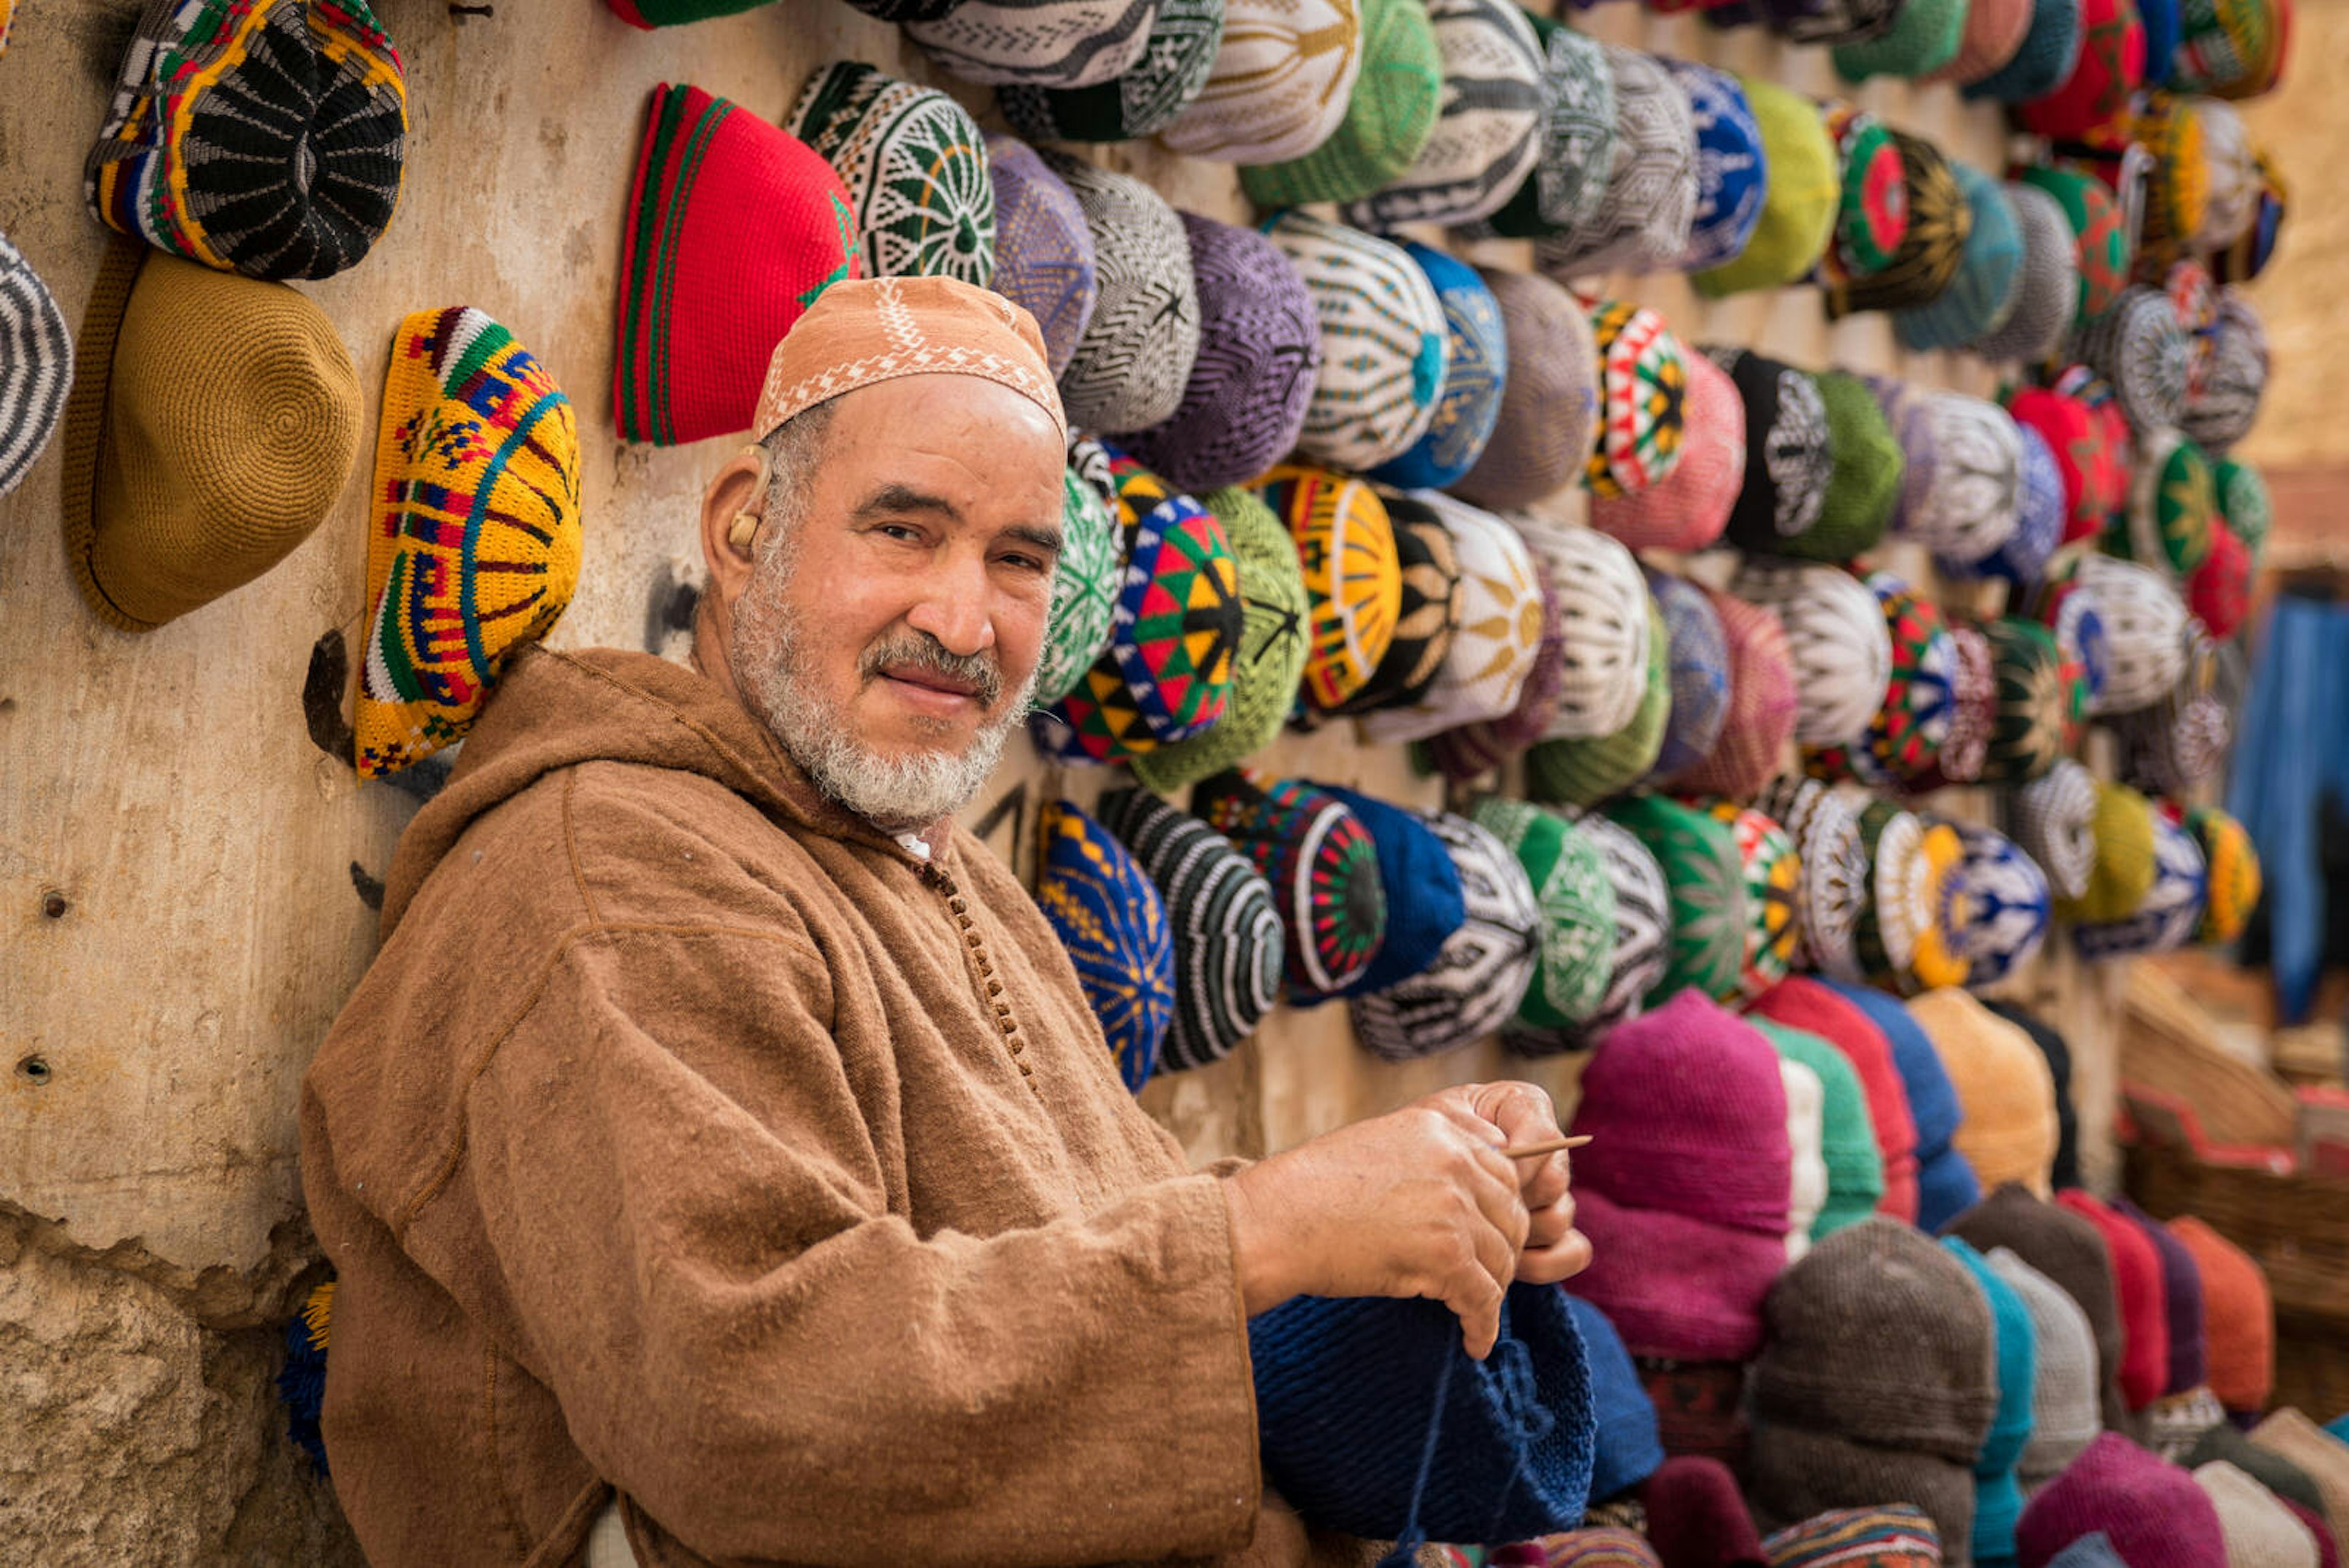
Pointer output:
x,y
1801,1003
1675,1287
1762,706
1690,1117
1688,508
2150,1510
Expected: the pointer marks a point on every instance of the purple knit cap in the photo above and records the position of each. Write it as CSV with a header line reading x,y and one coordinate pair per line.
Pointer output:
x,y
1700,661
1043,251
1259,347
2181,1288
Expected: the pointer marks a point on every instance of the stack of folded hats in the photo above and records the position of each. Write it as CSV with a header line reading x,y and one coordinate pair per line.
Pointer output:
x,y
2070,1251
1946,1184
2007,1095
1846,1140
1998,1498
2149,1512
1878,1382
1804,1003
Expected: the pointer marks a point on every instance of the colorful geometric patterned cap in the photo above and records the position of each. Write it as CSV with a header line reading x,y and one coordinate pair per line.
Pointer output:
x,y
1797,214
2139,348
1894,1535
1578,905
2094,480
36,365
2243,502
1642,380
1833,887
734,228
1688,508
2170,911
1905,736
1971,500
1410,856
1105,911
1141,99
1549,414
1353,575
2172,506
1917,884
1428,613
2049,48
2099,237
1085,581
1980,296
1226,933
1974,713
1270,659
1699,654
1044,260
2110,68
1872,195
2047,286
2027,728
1642,925
266,138
1495,640
1323,866
1577,148
1384,342
473,539
1485,968
1038,42
1734,176
1774,875
1642,222
915,170
1139,346
1924,37
1489,134
1789,458
1707,881
211,423
2222,406
1388,118
1283,76
2233,861
2144,628
1259,348
2039,515
1475,370
1930,247
2007,906
1837,638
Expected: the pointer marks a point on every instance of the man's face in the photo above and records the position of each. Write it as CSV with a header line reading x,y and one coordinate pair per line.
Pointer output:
x,y
889,635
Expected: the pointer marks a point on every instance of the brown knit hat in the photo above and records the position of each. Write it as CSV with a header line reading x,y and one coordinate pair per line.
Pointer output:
x,y
2325,1456
212,423
1882,1336
1792,1474
2238,1317
2068,1250
2010,1130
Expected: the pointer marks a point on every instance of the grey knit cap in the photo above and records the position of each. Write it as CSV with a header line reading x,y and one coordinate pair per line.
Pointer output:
x,y
2063,1415
1041,43
1642,221
2047,285
1135,357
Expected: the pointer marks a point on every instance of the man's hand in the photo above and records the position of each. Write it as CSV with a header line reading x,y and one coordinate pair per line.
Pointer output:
x,y
1418,1202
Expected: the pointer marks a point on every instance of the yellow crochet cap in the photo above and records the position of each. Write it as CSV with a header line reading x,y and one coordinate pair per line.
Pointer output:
x,y
474,536
2124,867
2004,1089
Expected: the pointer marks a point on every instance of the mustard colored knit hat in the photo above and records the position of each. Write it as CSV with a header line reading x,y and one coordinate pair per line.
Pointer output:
x,y
2008,1095
2124,870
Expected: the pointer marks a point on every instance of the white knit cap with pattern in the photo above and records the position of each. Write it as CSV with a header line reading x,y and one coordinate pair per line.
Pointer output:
x,y
1833,888
1806,1100
2231,180
1642,221
1135,358
36,365
2221,406
1039,43
1500,631
1282,78
1488,133
1974,501
2053,819
2065,1417
1384,344
2146,640
1602,606
1835,631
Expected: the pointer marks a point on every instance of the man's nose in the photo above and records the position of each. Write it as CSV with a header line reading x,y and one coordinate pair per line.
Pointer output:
x,y
953,605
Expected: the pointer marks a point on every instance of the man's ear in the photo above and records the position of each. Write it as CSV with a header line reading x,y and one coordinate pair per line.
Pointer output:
x,y
732,510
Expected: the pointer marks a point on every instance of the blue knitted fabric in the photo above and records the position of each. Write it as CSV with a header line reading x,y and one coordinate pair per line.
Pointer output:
x,y
1470,404
2050,50
1106,912
1349,1393
1946,1188
1998,1500
1628,1450
1732,174
1980,296
2163,24
1700,667
1946,1184
1424,905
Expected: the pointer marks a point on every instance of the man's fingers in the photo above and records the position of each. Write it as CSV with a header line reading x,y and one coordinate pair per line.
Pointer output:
x,y
1548,1225
1476,1301
1562,1260
1545,1180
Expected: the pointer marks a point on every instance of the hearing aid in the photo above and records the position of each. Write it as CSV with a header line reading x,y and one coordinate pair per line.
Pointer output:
x,y
745,526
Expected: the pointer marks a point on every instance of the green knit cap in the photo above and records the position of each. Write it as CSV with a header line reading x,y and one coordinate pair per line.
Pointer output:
x,y
1576,956
1846,1133
1798,212
1584,772
2243,502
1864,482
2124,867
1707,880
1923,37
1085,582
1271,656
1388,119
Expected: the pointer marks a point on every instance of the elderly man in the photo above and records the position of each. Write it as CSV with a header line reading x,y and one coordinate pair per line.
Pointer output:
x,y
721,1161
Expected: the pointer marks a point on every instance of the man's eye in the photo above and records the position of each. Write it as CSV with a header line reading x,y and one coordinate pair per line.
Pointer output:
x,y
1028,562
904,531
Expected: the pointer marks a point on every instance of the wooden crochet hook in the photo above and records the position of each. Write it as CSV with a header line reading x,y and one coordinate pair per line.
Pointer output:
x,y
1549,1145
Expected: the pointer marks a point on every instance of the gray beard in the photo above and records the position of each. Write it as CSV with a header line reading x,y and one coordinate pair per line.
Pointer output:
x,y
895,793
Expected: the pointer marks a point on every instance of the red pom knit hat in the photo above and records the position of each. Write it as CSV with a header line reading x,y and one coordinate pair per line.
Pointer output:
x,y
2145,1312
1801,1003
733,228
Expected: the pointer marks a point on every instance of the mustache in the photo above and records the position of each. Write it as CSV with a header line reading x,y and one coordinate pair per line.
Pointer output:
x,y
920,649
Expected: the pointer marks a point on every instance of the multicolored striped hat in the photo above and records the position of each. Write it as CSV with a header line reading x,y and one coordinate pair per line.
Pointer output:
x,y
1689,507
1038,42
1576,943
1837,638
1642,380
2232,862
1228,936
1706,877
37,362
1488,133
1548,421
1283,76
1476,368
267,138
1385,345
1773,874
473,541
1135,357
1085,581
1894,1535
1140,100
1387,118
1353,575
915,167
1734,178
1577,147
1323,866
1108,915
1044,259
1905,736
1485,966
1641,222
1833,889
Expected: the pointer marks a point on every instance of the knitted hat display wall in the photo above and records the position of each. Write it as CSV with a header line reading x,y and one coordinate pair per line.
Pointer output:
x,y
734,228
1384,348
267,139
1259,352
1797,213
1577,141
1576,944
1733,178
1707,881
1476,367
1497,636
1427,617
1488,132
1283,76
1642,925
1789,458
212,421
1763,705
1135,356
1227,935
1086,577
1353,578
1549,413
1483,971
36,366
1642,221
1139,100
1387,118
2007,1131
1689,507
1323,866
1038,42
1105,911
1837,636
1699,655
1980,296
915,167
1642,380
477,446
1834,886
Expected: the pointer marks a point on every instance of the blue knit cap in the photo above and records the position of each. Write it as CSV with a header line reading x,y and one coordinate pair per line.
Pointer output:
x,y
1628,1450
1424,905
1946,1188
1470,402
1733,173
1998,1498
1946,1184
1980,296
1372,1420
2093,1550
2050,51
1105,910
1700,673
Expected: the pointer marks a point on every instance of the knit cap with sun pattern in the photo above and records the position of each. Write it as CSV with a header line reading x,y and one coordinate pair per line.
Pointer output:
x,y
1837,638
1489,134
1086,579
1805,1005
36,365
1387,118
2008,1129
2151,1512
2172,506
1044,258
1227,934
1930,247
1140,100
1763,705
2049,48
1485,965
2046,282
1893,1535
1384,348
1584,772
1788,460
1577,906
1428,616
1468,752
1733,176
1260,350
1577,141
1323,866
915,166
1102,907
2064,1413
1833,888
1497,637
1689,507
1353,583
1707,881
1549,413
1924,37
1641,222
266,138
1699,658
1798,214
1846,1138
1038,42
1134,360
1284,73
1642,924
1476,367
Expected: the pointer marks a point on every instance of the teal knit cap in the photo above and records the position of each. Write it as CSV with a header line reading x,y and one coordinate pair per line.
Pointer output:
x,y
1847,1134
1388,120
1924,37
1997,1497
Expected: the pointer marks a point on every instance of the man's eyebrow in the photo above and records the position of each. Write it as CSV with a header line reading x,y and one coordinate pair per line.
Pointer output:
x,y
1048,540
896,499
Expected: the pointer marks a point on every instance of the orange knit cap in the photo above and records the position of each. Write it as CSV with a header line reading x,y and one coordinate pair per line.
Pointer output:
x,y
863,330
2004,1089
2238,1316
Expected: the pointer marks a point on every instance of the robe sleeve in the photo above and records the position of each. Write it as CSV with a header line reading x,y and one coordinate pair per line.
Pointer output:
x,y
691,1247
